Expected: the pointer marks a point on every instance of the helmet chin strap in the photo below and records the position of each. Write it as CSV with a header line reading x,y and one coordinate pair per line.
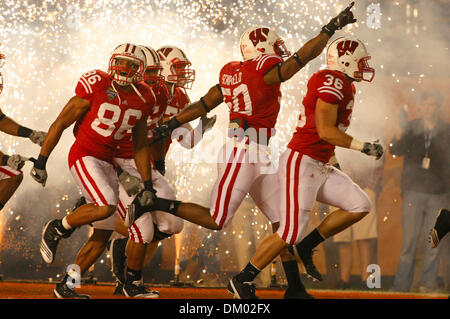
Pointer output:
x,y
138,93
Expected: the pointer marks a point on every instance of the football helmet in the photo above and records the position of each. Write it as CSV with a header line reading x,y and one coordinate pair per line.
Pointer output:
x,y
152,73
350,57
176,67
126,74
258,40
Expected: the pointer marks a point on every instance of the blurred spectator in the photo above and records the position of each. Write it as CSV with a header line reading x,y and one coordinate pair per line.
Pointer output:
x,y
424,144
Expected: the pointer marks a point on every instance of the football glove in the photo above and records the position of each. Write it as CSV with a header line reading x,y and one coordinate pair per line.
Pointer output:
x,y
37,137
373,149
160,166
340,21
131,184
14,161
207,122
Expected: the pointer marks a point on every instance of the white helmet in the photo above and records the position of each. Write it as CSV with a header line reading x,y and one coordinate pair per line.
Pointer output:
x,y
152,63
122,74
176,66
350,57
258,40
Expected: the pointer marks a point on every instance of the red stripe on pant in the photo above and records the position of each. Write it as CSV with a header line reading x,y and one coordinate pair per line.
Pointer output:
x,y
121,210
91,180
296,201
8,172
230,188
221,183
288,202
84,185
138,233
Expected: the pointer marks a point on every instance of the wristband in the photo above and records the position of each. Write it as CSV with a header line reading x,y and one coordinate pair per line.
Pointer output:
x,y
207,109
24,132
173,123
148,185
356,145
297,59
41,162
5,160
280,77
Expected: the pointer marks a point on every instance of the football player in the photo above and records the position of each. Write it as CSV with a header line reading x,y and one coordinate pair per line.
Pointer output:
x,y
105,107
252,91
172,98
304,175
10,165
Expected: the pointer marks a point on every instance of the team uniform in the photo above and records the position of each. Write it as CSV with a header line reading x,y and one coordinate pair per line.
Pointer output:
x,y
142,229
243,164
303,172
100,132
8,172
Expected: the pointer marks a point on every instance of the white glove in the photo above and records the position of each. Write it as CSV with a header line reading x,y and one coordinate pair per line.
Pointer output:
x,y
39,175
16,161
37,137
373,149
130,183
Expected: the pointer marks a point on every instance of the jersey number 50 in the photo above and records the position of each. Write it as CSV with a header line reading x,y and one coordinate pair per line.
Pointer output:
x,y
240,99
107,117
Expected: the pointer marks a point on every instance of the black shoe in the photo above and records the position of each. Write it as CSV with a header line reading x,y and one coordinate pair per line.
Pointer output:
x,y
119,289
118,258
241,290
136,289
292,293
306,256
62,291
441,227
80,202
50,238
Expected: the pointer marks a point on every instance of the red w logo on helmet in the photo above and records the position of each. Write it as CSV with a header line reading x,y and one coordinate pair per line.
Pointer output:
x,y
165,52
345,46
258,35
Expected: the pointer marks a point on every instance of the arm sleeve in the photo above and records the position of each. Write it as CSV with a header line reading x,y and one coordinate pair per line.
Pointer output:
x,y
89,83
267,62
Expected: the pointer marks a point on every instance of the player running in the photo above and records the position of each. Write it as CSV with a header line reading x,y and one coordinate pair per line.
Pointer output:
x,y
10,165
252,91
105,107
304,175
150,229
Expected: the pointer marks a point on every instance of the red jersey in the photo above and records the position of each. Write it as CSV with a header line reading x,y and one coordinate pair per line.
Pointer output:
x,y
247,95
125,150
175,105
105,124
331,87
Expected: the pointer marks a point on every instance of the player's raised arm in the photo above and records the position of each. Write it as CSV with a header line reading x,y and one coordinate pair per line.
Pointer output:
x,y
326,116
9,126
74,110
194,110
285,70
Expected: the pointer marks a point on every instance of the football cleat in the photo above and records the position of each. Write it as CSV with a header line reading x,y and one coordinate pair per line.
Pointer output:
x,y
241,290
305,256
119,289
136,289
62,291
50,238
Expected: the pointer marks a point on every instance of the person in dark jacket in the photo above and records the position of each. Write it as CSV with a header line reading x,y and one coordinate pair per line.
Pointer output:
x,y
424,145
